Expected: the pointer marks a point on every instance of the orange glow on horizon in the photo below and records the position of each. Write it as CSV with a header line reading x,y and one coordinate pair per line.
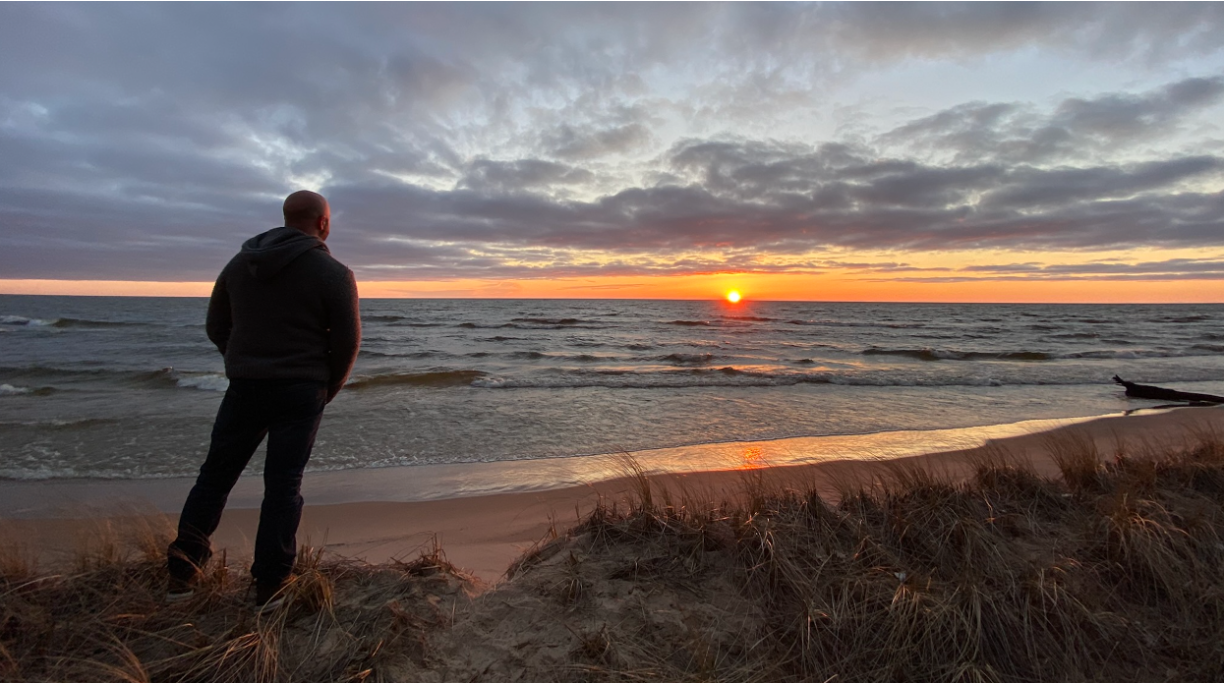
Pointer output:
x,y
764,287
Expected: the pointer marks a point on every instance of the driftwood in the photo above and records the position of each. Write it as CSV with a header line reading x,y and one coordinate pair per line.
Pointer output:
x,y
1134,389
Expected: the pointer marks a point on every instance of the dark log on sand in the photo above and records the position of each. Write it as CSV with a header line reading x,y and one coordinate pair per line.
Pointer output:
x,y
1134,389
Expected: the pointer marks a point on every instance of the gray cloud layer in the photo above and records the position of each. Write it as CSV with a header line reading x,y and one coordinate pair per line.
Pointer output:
x,y
146,141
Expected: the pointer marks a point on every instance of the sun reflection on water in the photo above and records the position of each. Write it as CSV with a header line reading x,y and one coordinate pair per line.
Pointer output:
x,y
752,458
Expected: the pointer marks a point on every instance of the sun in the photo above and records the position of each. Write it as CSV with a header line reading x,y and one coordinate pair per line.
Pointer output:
x,y
733,296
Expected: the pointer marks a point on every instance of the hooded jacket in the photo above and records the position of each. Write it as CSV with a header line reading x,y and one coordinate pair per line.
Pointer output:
x,y
284,308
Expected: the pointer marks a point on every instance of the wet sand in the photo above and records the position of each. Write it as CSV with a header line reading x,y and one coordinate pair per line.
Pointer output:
x,y
361,514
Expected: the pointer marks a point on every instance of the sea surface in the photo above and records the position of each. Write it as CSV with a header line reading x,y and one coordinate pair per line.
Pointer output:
x,y
111,387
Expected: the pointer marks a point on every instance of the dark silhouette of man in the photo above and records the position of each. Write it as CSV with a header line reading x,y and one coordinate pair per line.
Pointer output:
x,y
284,314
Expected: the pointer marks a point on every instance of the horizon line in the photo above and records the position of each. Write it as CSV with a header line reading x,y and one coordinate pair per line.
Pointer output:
x,y
673,299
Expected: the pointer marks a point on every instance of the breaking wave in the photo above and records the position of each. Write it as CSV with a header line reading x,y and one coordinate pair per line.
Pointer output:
x,y
65,322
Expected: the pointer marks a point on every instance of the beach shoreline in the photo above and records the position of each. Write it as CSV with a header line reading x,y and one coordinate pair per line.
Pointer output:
x,y
484,533
68,497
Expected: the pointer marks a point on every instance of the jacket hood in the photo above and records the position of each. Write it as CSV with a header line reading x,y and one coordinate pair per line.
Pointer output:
x,y
266,254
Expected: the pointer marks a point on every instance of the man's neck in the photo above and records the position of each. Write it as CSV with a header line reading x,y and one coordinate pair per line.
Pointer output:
x,y
312,232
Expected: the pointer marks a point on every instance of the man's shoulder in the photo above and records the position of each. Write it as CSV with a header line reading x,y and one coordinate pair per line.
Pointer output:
x,y
321,259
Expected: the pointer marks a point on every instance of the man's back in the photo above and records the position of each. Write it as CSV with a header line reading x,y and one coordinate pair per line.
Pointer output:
x,y
284,308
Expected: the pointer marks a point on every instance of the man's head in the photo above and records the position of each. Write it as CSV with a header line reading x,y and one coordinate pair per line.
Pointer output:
x,y
308,212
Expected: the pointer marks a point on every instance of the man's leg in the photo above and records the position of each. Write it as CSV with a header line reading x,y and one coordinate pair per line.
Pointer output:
x,y
291,436
240,426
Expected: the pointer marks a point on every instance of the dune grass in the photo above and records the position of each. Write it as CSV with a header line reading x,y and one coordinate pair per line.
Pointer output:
x,y
106,620
1113,571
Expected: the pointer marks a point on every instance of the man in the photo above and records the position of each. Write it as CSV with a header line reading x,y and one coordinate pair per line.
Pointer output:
x,y
284,315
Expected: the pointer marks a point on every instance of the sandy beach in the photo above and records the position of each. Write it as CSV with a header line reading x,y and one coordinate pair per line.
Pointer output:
x,y
484,533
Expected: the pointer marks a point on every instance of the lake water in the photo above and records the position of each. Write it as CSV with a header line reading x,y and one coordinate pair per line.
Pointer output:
x,y
127,388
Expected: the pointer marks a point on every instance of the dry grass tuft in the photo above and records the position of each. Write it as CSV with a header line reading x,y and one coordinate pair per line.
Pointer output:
x,y
107,622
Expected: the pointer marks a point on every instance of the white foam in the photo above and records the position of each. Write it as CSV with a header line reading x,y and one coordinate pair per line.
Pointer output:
x,y
22,320
9,389
213,382
492,382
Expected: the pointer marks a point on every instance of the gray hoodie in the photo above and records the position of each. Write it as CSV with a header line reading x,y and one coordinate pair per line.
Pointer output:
x,y
284,308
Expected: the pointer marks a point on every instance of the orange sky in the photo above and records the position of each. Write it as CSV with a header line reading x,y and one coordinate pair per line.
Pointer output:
x,y
796,287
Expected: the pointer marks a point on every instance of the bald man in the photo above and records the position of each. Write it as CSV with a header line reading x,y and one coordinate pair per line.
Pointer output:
x,y
284,315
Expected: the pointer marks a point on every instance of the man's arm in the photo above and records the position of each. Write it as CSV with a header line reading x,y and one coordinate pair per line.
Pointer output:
x,y
344,335
220,321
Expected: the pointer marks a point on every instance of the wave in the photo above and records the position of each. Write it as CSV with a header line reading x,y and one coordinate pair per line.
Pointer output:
x,y
1136,354
212,382
731,376
31,322
1075,336
528,355
927,354
950,355
687,359
416,324
403,355
756,319
399,321
64,322
13,390
536,356
164,378
535,324
690,323
852,324
727,376
58,423
443,378
88,323
550,321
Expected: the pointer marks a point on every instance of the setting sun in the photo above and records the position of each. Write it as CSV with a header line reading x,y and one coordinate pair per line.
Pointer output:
x,y
733,296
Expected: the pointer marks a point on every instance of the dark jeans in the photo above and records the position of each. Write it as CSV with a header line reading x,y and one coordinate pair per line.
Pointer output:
x,y
288,412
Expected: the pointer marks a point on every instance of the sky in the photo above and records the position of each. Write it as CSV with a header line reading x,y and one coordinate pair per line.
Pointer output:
x,y
843,151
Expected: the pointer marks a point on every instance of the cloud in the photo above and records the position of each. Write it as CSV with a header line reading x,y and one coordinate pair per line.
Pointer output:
x,y
1076,129
146,141
485,175
889,31
1169,269
570,143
